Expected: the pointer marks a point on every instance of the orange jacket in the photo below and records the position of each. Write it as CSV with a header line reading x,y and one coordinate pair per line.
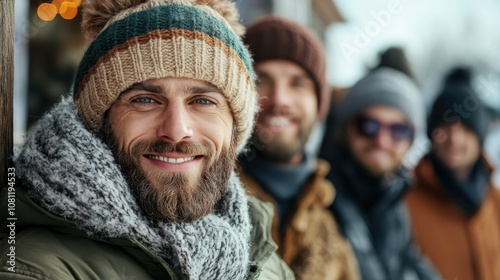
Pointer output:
x,y
312,245
461,247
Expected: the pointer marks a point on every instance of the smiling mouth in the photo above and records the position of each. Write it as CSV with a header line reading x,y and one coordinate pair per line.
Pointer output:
x,y
172,160
277,122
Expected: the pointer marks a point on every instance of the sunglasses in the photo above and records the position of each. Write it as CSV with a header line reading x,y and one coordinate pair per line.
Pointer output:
x,y
370,128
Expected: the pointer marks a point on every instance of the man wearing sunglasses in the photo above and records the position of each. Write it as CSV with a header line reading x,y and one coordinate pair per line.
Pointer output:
x,y
454,205
373,128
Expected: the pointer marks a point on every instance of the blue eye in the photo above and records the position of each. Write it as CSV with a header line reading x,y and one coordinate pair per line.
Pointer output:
x,y
203,101
144,100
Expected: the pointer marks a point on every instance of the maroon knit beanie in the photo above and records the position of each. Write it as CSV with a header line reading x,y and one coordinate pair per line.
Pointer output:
x,y
274,37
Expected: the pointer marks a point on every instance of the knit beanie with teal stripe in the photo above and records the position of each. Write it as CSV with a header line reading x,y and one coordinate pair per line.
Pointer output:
x,y
138,40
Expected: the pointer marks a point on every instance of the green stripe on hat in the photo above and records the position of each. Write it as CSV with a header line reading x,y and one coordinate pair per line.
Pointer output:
x,y
165,18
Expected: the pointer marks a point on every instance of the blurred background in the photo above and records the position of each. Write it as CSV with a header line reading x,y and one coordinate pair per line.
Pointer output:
x,y
434,35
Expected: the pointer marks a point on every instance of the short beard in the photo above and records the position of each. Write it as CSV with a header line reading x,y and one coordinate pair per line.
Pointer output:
x,y
375,174
277,152
177,197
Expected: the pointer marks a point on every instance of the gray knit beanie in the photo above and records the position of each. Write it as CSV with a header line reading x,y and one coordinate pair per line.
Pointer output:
x,y
383,87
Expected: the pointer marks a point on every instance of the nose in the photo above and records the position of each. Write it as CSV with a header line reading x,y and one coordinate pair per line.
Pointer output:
x,y
383,138
455,133
175,125
279,97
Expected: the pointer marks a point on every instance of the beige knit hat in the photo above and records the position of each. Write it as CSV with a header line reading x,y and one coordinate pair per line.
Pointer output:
x,y
137,40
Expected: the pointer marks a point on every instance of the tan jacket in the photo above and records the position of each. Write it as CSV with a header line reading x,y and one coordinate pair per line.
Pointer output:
x,y
312,244
460,247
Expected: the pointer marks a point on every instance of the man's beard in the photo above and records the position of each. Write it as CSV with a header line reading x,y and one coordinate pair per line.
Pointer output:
x,y
174,196
278,151
375,173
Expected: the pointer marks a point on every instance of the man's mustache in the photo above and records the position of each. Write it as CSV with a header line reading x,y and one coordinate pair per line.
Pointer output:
x,y
282,112
374,149
195,148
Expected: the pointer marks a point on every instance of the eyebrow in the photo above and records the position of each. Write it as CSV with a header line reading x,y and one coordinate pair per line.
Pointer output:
x,y
302,77
141,86
203,89
160,89
287,74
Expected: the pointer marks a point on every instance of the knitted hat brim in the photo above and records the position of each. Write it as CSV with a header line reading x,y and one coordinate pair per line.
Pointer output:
x,y
181,42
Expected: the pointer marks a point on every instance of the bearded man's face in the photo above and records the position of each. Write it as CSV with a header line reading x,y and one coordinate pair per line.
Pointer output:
x,y
174,140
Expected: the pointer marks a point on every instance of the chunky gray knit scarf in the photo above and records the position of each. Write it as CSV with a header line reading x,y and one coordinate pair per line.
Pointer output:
x,y
72,173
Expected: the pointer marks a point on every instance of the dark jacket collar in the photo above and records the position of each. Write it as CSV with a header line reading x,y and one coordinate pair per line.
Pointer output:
x,y
372,216
281,182
434,177
366,191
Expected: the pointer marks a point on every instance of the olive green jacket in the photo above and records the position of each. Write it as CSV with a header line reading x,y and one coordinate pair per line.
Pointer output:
x,y
49,247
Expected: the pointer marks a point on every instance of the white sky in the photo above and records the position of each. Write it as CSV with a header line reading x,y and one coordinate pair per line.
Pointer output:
x,y
435,35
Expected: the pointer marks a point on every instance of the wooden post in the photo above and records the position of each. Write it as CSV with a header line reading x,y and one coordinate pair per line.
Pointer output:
x,y
6,86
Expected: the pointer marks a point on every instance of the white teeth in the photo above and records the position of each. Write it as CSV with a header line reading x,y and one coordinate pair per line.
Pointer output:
x,y
172,160
278,121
